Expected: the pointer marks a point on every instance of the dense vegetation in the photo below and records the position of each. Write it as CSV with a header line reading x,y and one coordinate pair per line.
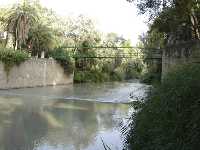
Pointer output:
x,y
170,22
105,69
169,117
10,58
175,19
63,57
70,41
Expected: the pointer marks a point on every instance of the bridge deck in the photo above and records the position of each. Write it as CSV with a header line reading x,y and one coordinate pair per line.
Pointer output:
x,y
135,53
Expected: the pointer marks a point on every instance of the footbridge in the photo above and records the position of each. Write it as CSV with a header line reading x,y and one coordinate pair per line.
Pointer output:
x,y
117,52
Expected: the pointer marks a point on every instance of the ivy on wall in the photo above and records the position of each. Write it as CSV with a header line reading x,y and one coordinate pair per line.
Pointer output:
x,y
10,58
63,58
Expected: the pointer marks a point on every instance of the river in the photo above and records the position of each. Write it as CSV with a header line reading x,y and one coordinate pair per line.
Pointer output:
x,y
74,117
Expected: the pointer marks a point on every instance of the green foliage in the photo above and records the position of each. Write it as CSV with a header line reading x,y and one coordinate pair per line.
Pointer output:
x,y
106,73
104,69
32,27
117,74
151,77
152,39
2,43
169,118
17,21
85,53
152,74
176,18
41,38
62,56
10,58
82,56
79,30
133,69
90,76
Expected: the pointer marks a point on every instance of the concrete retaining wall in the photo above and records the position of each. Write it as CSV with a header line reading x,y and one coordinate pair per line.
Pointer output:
x,y
182,53
32,73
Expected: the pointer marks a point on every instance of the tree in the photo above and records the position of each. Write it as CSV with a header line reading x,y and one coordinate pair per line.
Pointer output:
x,y
113,40
173,15
45,34
80,29
18,21
152,7
40,39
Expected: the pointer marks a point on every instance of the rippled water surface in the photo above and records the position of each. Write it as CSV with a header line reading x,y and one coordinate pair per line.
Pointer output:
x,y
73,117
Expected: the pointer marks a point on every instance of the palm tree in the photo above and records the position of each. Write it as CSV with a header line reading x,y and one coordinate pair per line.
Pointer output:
x,y
17,21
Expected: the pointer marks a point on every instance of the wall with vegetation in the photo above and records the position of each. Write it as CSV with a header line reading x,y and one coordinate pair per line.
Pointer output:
x,y
32,73
178,54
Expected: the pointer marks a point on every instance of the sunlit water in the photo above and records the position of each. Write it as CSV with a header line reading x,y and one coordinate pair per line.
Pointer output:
x,y
73,117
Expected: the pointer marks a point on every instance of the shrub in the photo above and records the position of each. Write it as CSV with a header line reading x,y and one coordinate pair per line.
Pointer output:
x,y
90,76
107,67
10,58
62,56
131,72
169,119
133,69
117,75
79,77
151,78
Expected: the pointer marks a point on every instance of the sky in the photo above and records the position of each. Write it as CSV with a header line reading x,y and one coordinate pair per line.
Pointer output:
x,y
117,16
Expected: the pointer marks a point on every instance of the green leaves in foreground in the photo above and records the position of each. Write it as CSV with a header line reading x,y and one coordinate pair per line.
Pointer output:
x,y
170,117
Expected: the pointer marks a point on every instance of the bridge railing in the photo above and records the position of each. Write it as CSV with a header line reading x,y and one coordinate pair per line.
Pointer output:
x,y
118,52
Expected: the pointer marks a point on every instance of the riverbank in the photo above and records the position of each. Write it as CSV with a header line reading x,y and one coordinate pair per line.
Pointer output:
x,y
169,118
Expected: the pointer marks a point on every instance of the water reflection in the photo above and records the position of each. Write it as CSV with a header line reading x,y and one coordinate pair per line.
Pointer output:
x,y
41,124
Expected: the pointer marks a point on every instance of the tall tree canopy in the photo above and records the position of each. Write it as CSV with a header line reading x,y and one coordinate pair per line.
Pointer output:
x,y
173,16
17,21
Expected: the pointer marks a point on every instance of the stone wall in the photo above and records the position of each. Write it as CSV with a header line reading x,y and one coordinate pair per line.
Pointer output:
x,y
32,73
182,53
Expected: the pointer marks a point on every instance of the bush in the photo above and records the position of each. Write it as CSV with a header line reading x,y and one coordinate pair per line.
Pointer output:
x,y
170,117
90,76
133,69
10,58
131,72
62,56
151,78
117,75
79,77
107,67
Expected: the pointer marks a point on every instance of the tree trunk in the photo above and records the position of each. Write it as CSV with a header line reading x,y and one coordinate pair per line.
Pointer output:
x,y
194,21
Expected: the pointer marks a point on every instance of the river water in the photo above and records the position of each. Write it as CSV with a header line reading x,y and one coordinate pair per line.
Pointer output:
x,y
73,117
